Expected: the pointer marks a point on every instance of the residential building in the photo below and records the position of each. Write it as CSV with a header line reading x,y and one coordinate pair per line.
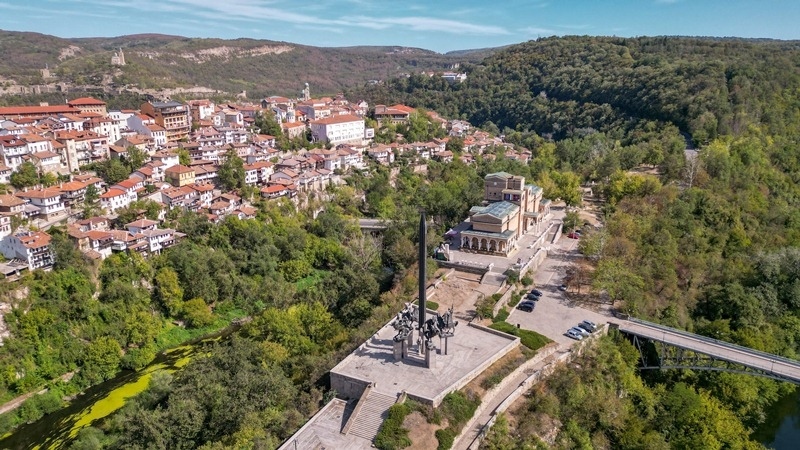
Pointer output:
x,y
258,172
48,162
338,129
11,205
179,175
82,147
89,104
5,225
30,247
393,114
173,116
48,201
382,153
114,199
5,174
73,192
293,129
14,150
94,243
15,112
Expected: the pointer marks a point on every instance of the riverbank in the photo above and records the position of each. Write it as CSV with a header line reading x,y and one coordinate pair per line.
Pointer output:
x,y
171,338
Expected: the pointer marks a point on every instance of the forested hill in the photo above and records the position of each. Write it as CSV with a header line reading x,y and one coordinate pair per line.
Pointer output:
x,y
257,66
706,86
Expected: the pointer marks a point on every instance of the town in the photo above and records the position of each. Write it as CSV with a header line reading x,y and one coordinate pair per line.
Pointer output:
x,y
49,150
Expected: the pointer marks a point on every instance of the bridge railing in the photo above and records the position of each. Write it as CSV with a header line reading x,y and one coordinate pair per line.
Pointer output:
x,y
664,328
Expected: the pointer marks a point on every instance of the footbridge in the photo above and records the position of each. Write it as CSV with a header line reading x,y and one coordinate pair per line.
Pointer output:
x,y
677,349
373,224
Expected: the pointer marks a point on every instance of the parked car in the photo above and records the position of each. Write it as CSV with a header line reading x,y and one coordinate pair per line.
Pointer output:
x,y
573,235
580,331
536,292
563,287
588,326
532,297
572,334
526,306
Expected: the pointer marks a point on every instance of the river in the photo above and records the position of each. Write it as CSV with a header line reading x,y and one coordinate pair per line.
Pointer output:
x,y
781,430
59,429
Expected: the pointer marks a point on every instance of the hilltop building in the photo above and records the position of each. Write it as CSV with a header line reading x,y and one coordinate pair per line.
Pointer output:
x,y
511,208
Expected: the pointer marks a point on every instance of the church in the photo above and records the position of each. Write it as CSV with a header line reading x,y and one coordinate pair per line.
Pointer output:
x,y
510,209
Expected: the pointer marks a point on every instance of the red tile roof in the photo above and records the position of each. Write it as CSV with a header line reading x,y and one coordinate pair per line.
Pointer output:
x,y
345,118
86,101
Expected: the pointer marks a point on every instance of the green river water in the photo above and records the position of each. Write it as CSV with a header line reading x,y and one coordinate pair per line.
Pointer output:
x,y
59,429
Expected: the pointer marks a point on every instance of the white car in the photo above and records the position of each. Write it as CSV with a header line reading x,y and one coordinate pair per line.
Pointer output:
x,y
574,335
580,331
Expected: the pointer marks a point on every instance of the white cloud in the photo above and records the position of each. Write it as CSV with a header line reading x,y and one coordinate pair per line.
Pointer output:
x,y
537,31
429,24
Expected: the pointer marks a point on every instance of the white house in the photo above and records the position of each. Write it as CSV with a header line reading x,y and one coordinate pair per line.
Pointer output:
x,y
31,247
338,129
48,201
114,199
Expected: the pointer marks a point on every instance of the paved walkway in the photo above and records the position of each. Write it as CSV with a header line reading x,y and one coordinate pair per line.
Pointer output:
x,y
552,317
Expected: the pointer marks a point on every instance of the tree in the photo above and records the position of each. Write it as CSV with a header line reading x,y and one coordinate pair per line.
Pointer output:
x,y
101,360
136,158
183,157
197,313
113,171
25,176
168,291
568,186
571,220
231,172
618,280
267,124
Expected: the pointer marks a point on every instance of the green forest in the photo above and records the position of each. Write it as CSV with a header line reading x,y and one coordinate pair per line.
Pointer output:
x,y
705,241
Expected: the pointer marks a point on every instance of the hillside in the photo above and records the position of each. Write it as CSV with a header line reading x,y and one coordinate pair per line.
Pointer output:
x,y
559,86
260,67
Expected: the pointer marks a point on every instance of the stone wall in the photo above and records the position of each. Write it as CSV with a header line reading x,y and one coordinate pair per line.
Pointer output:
x,y
348,387
564,358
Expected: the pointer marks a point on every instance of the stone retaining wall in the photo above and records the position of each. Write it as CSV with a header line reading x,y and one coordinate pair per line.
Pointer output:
x,y
564,358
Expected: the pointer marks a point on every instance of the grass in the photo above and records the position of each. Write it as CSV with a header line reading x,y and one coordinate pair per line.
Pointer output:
x,y
501,316
392,435
507,366
309,281
429,304
530,339
174,335
515,298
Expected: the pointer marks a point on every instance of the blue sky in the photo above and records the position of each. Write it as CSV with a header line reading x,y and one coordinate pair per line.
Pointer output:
x,y
440,25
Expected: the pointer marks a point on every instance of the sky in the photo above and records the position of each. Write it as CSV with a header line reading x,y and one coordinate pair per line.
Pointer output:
x,y
439,25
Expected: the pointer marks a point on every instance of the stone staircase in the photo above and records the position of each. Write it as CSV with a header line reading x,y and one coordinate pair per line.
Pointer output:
x,y
372,409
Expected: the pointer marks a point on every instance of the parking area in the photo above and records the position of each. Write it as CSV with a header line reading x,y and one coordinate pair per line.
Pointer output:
x,y
555,313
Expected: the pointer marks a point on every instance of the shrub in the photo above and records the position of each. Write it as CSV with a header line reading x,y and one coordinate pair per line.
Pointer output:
x,y
530,339
445,437
392,435
501,316
526,280
458,407
515,298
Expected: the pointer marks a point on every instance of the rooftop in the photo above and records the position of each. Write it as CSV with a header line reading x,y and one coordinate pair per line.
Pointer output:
x,y
498,209
470,351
